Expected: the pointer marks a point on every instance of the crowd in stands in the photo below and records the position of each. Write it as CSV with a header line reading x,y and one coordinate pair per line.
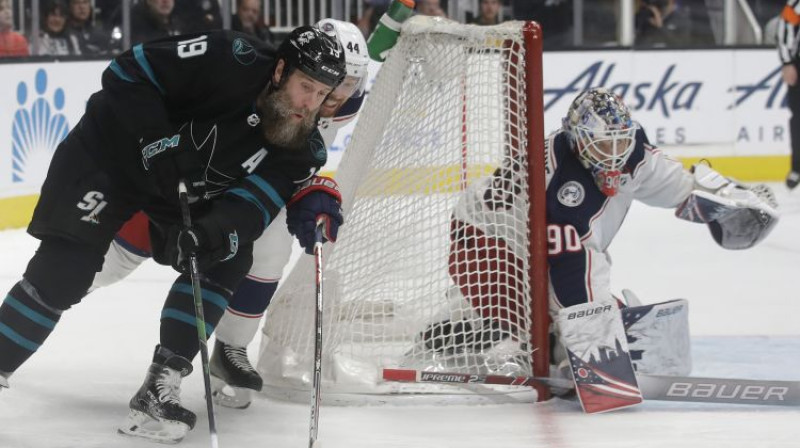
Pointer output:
x,y
93,27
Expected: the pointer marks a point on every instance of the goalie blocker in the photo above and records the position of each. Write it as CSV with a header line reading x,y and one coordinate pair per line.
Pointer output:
x,y
737,216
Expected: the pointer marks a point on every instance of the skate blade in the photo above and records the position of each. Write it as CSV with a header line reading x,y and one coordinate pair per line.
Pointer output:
x,y
138,424
230,396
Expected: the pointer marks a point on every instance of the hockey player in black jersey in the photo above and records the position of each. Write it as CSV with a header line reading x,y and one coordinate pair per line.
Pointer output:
x,y
228,115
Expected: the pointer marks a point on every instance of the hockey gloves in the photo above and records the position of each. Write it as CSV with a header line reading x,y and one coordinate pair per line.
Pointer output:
x,y
318,199
171,159
208,239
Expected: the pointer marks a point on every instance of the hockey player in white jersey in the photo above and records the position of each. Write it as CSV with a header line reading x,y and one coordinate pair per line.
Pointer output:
x,y
597,164
233,377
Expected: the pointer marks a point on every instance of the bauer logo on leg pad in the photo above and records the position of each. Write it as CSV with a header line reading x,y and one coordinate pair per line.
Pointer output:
x,y
588,312
597,350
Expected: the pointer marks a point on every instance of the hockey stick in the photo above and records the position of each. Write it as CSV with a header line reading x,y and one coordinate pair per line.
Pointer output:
x,y
657,388
200,320
315,395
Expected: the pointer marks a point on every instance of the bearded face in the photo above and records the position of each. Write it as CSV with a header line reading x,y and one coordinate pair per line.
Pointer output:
x,y
284,124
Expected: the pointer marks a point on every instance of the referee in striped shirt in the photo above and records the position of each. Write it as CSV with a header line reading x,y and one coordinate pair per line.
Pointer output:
x,y
788,33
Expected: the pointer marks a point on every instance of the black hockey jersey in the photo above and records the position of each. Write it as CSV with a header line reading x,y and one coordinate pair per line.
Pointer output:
x,y
199,91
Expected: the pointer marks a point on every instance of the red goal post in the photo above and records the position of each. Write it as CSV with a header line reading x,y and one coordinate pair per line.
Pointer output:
x,y
451,105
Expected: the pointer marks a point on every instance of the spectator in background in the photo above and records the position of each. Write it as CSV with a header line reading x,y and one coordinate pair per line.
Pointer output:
x,y
55,39
662,23
248,20
555,17
788,53
373,10
11,42
198,15
154,19
91,39
430,8
488,13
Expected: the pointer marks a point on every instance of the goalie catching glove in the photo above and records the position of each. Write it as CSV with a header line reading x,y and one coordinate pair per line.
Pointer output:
x,y
317,200
738,217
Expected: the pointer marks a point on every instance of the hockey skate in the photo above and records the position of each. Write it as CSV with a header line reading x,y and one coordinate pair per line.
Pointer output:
x,y
233,378
156,412
792,179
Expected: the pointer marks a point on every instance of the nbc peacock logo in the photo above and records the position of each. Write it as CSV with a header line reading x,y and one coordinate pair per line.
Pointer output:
x,y
37,130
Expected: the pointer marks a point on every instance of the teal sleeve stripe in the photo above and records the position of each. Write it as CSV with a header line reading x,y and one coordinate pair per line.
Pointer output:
x,y
138,53
208,296
246,195
30,313
171,313
25,343
120,72
264,186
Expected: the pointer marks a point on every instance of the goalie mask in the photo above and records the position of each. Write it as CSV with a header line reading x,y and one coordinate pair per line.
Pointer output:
x,y
603,133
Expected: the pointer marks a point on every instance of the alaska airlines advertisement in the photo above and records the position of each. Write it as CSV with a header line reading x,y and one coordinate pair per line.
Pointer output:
x,y
692,103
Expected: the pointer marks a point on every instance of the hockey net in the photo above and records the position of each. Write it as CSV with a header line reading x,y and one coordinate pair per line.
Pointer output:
x,y
450,105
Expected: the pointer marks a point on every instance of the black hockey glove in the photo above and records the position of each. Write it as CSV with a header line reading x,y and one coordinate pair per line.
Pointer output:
x,y
318,199
208,239
170,159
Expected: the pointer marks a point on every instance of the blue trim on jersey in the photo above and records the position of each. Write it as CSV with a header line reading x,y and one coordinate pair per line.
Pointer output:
x,y
138,53
208,296
131,248
249,197
114,66
350,107
15,337
264,186
30,313
171,313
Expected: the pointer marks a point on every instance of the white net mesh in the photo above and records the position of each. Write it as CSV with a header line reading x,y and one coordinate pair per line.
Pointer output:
x,y
445,113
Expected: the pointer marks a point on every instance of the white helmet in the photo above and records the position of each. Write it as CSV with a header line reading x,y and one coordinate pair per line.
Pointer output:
x,y
601,128
355,50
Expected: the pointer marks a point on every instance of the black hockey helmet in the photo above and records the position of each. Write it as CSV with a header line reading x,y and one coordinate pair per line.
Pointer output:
x,y
315,53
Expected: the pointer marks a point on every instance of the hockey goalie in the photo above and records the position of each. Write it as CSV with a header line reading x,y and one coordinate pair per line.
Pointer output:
x,y
597,164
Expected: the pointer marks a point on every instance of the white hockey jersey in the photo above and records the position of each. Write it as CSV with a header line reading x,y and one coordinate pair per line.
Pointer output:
x,y
328,127
581,221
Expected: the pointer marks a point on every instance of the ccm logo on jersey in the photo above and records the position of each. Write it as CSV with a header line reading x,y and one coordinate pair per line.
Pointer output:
x,y
726,391
157,147
589,312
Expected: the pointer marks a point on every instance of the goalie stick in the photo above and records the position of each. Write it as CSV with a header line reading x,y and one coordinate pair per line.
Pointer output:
x,y
653,387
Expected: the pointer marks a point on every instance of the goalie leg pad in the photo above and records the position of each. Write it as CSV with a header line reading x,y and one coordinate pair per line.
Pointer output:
x,y
658,337
597,350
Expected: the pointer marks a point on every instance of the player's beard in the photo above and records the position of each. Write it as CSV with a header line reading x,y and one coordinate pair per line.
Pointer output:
x,y
278,126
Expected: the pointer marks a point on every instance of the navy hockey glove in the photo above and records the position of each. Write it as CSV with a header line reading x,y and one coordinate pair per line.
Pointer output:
x,y
207,239
171,159
318,199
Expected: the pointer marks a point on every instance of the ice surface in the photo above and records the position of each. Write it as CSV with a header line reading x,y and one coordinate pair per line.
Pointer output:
x,y
744,314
